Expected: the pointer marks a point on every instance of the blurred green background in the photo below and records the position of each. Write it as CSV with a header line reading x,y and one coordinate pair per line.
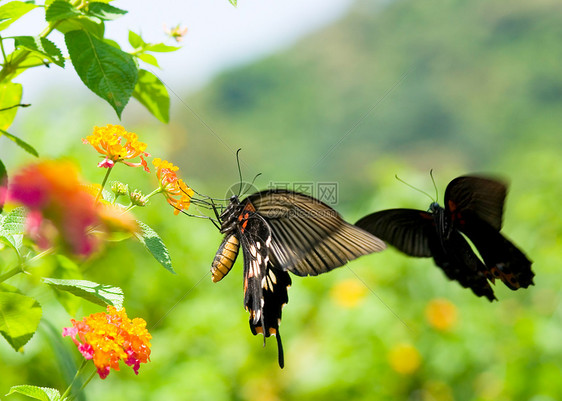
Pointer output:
x,y
395,87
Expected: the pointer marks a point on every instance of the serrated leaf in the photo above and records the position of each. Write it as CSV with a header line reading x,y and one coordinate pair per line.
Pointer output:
x,y
12,11
135,40
11,229
39,393
148,59
96,28
10,95
19,318
68,270
20,142
152,93
100,294
40,45
108,72
3,186
60,10
104,11
154,244
161,48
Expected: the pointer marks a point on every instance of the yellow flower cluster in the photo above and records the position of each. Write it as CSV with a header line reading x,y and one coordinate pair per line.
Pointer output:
x,y
108,141
110,337
177,193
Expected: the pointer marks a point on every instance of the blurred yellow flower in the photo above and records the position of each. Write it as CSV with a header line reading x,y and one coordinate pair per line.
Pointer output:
x,y
404,358
441,314
177,193
108,337
349,293
107,141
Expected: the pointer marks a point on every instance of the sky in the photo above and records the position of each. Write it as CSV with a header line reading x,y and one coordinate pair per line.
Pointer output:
x,y
219,35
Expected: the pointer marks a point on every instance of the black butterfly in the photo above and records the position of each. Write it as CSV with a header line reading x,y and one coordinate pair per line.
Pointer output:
x,y
473,207
281,231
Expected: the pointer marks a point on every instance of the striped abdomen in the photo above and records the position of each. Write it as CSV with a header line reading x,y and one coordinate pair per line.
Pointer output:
x,y
225,257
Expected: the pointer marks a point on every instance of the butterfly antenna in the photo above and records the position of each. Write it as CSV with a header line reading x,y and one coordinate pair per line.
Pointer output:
x,y
239,170
434,185
250,185
417,189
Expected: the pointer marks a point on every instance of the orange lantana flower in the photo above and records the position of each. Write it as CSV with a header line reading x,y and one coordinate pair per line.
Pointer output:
x,y
108,337
107,141
177,193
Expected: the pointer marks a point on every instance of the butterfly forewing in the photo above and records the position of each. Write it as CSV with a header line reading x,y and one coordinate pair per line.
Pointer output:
x,y
409,230
478,195
308,236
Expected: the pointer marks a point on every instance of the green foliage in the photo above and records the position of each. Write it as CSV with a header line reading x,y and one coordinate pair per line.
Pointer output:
x,y
19,318
152,93
99,294
154,244
108,72
100,63
38,393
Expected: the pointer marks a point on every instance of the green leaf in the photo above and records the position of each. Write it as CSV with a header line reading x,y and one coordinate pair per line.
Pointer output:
x,y
233,2
40,45
68,270
60,10
12,11
161,48
12,227
3,184
39,393
100,294
10,95
148,59
104,11
154,244
20,142
152,93
135,40
19,318
82,23
108,72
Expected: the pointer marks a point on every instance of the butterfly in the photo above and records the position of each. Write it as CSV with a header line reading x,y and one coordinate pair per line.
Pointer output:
x,y
474,209
282,231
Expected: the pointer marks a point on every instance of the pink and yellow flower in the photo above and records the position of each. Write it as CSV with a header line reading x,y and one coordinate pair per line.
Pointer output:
x,y
108,337
177,193
108,141
62,208
55,197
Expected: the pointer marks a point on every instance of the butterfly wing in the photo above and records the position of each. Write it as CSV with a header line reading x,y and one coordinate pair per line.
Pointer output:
x,y
265,287
459,263
502,258
475,207
472,195
308,236
408,230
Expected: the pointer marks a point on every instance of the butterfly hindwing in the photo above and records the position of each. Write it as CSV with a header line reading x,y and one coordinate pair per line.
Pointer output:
x,y
457,260
265,287
502,258
308,236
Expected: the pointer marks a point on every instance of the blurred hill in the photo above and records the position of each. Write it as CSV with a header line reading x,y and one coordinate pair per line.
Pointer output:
x,y
443,85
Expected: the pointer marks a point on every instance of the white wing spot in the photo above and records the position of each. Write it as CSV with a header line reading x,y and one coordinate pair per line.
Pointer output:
x,y
253,250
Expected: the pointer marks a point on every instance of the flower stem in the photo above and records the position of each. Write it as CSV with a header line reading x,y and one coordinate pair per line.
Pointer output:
x,y
104,182
21,265
67,391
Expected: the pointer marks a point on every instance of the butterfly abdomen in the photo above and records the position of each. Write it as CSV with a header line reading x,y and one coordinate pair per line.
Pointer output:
x,y
225,258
